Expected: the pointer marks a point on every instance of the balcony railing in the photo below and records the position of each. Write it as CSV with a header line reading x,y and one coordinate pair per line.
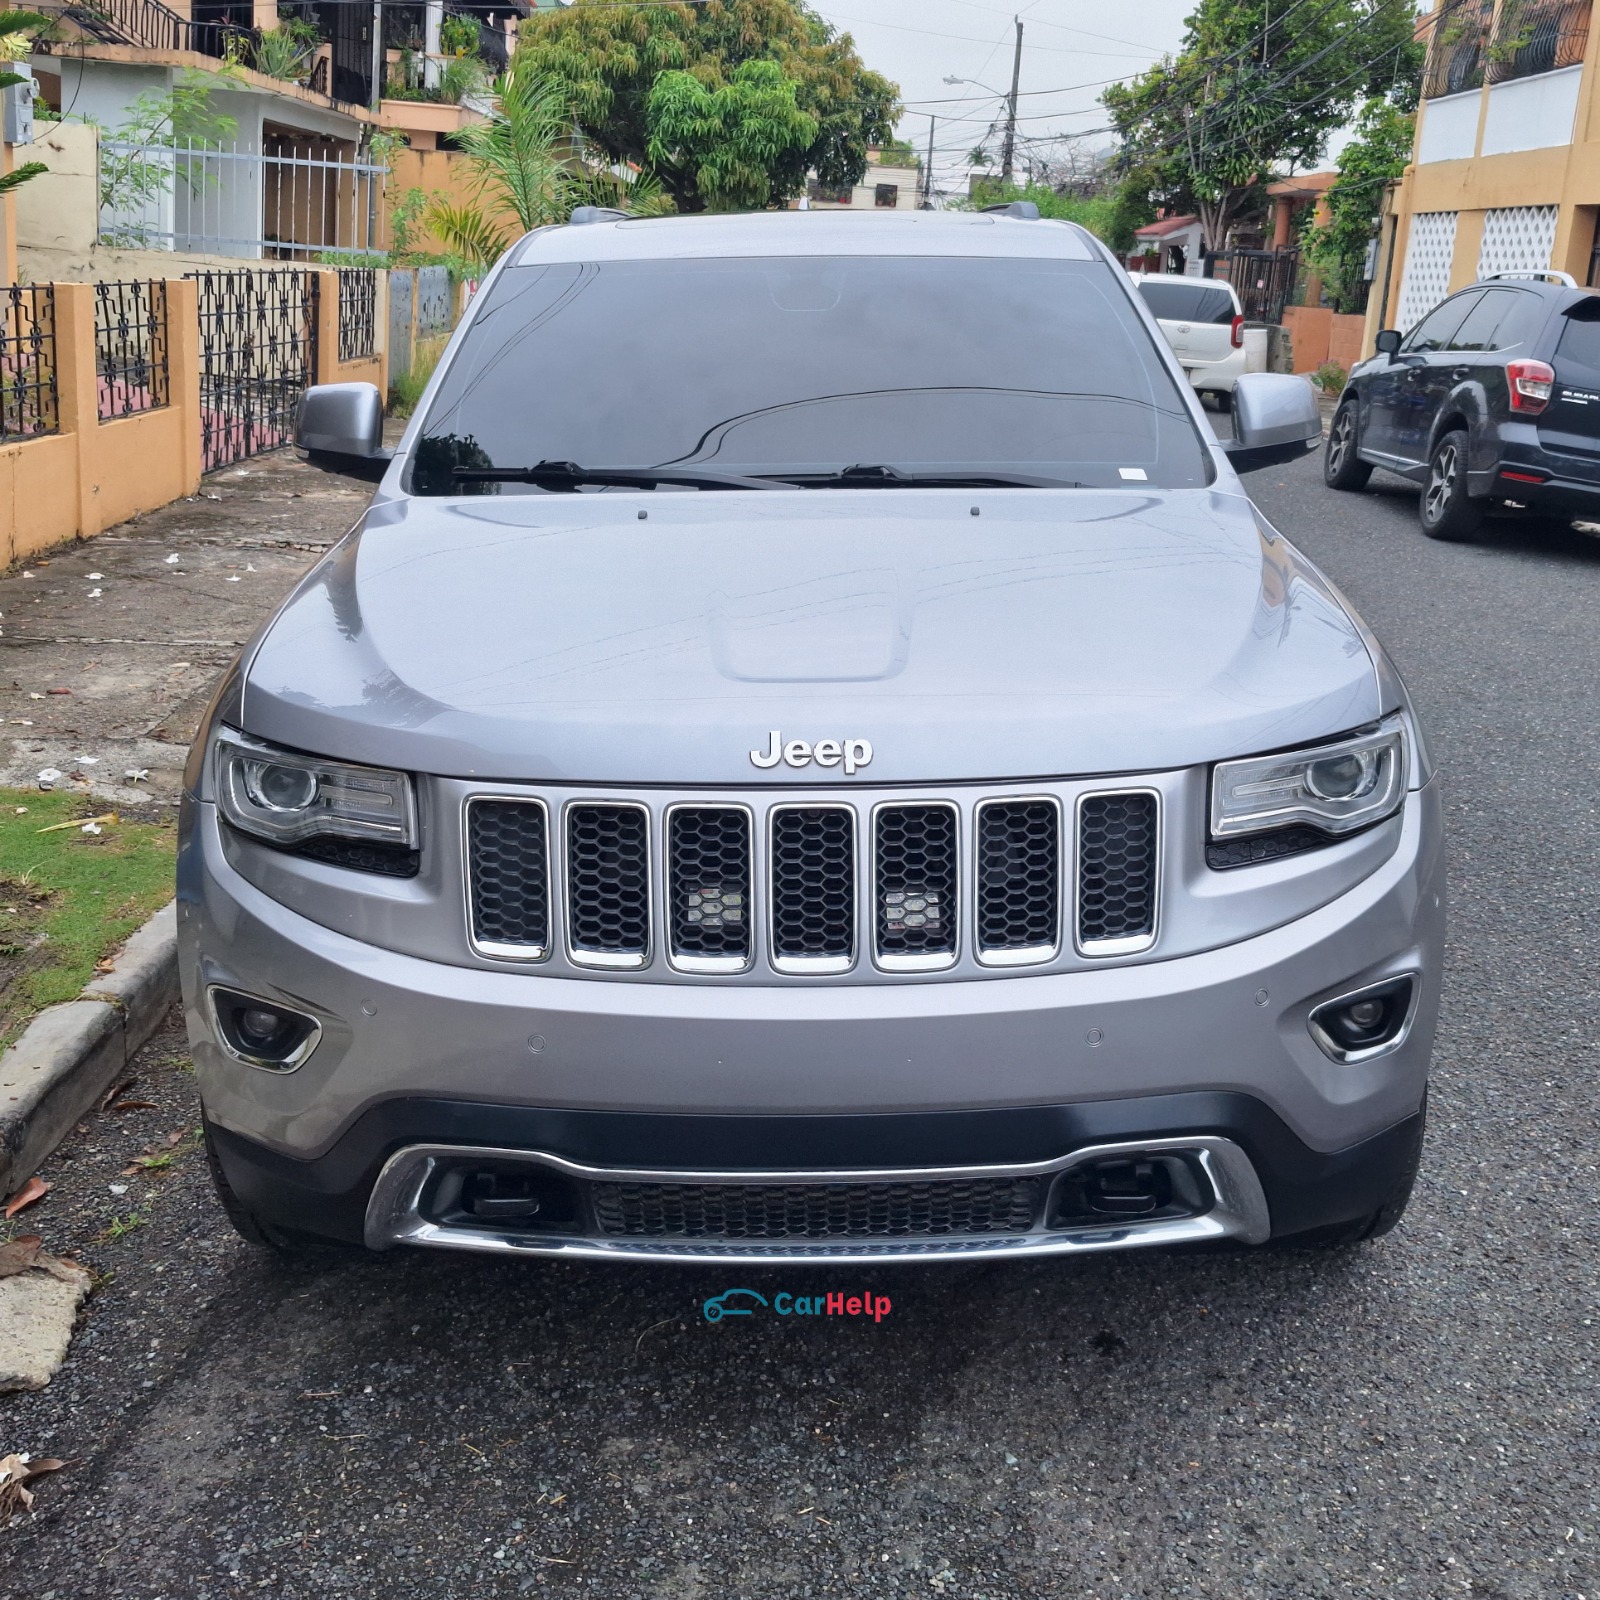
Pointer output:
x,y
1533,36
1458,49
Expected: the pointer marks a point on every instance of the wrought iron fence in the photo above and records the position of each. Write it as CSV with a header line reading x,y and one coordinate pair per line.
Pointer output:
x,y
433,300
1263,279
358,312
258,354
130,348
286,202
1533,36
1459,48
28,393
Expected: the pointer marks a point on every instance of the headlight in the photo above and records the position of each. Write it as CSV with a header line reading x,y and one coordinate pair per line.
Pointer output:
x,y
1335,788
289,798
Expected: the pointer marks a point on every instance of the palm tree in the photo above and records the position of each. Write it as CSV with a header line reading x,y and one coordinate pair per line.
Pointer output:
x,y
527,161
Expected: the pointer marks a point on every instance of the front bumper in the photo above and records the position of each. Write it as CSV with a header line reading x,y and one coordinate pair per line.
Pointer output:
x,y
828,1079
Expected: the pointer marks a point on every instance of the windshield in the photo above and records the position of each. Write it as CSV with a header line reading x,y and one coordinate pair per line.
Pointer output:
x,y
1181,301
806,367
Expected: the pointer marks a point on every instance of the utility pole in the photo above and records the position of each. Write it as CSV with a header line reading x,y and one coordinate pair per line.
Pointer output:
x,y
1011,111
927,173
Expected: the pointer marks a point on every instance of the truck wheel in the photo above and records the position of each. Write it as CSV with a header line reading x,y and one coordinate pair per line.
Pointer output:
x,y
301,1249
1447,511
1342,468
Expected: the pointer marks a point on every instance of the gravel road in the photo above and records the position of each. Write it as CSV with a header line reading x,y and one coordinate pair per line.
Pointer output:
x,y
1416,1417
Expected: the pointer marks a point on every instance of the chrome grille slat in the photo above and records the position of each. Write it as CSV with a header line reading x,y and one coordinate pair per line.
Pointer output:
x,y
1018,881
608,883
1118,871
508,878
708,861
915,871
813,888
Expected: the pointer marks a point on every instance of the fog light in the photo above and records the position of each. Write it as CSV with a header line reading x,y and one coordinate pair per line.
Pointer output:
x,y
1357,1026
262,1033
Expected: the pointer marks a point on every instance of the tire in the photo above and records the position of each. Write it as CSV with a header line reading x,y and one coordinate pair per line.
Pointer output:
x,y
1224,399
1342,1235
1342,468
300,1249
1446,510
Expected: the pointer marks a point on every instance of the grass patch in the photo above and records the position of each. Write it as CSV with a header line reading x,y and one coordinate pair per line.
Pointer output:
x,y
68,898
406,390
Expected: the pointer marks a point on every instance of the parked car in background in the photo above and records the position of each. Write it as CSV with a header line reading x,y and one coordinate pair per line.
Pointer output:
x,y
1204,324
1494,397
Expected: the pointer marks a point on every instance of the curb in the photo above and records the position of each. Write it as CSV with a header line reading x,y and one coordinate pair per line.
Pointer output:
x,y
70,1054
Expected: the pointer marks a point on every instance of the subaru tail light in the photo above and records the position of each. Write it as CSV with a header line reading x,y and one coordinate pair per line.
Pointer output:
x,y
1530,383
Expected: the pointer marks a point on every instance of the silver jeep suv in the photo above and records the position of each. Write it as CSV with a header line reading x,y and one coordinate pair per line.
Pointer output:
x,y
811,755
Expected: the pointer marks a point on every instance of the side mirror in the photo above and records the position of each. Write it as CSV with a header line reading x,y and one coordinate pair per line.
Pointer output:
x,y
1275,420
1388,342
340,425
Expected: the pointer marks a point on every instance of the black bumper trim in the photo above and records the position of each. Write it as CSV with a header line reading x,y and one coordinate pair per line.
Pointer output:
x,y
1305,1188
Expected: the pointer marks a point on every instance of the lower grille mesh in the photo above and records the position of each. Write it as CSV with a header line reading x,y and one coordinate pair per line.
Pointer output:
x,y
1116,867
816,1211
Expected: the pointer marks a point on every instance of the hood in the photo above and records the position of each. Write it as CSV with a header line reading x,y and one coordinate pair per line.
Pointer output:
x,y
587,639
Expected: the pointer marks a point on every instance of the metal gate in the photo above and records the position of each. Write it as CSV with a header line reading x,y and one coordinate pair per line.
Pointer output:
x,y
401,281
258,355
1263,279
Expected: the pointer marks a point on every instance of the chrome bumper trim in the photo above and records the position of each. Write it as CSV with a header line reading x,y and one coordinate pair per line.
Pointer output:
x,y
394,1213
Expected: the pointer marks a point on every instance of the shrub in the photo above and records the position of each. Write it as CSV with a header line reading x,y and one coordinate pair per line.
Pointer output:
x,y
1330,377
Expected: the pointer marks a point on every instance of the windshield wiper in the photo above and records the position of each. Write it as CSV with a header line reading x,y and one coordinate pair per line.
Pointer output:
x,y
569,475
883,477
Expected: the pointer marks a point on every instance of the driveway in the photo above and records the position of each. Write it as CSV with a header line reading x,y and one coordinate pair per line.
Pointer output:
x,y
1414,1417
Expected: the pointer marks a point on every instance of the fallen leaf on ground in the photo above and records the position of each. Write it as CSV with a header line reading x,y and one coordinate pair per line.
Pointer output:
x,y
34,1189
117,1089
136,1105
15,1474
58,691
26,1255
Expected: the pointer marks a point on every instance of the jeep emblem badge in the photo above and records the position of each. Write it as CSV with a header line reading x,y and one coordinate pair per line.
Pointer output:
x,y
852,753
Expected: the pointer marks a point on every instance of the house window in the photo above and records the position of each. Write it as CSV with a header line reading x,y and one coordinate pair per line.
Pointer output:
x,y
886,194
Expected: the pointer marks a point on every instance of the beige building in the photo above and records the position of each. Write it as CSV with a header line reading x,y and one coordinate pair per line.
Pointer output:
x,y
882,187
1505,171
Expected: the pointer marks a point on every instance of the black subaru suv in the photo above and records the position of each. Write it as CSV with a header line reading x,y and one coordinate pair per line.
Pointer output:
x,y
1494,397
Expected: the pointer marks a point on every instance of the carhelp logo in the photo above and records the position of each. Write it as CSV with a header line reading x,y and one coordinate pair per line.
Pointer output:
x,y
747,1302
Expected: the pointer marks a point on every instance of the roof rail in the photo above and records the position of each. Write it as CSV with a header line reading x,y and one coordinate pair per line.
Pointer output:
x,y
586,214
1023,210
1565,278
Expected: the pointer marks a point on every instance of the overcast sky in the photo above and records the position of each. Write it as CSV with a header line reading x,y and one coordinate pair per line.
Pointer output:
x,y
1070,48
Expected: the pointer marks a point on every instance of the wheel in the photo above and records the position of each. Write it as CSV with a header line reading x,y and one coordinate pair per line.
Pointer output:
x,y
302,1249
1224,399
1446,510
1342,468
1341,1235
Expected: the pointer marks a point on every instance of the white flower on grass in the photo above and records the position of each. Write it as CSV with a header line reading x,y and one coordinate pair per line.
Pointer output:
x,y
49,775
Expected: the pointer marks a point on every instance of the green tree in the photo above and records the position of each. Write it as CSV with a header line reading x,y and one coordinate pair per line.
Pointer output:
x,y
610,57
1097,213
1375,157
1246,94
728,139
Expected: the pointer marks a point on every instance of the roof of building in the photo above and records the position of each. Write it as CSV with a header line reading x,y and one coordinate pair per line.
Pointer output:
x,y
1159,230
832,232
1306,186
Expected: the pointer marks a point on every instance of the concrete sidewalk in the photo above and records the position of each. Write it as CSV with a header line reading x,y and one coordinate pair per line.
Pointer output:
x,y
111,647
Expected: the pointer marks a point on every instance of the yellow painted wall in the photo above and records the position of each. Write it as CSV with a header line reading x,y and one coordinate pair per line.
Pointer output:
x,y
443,175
